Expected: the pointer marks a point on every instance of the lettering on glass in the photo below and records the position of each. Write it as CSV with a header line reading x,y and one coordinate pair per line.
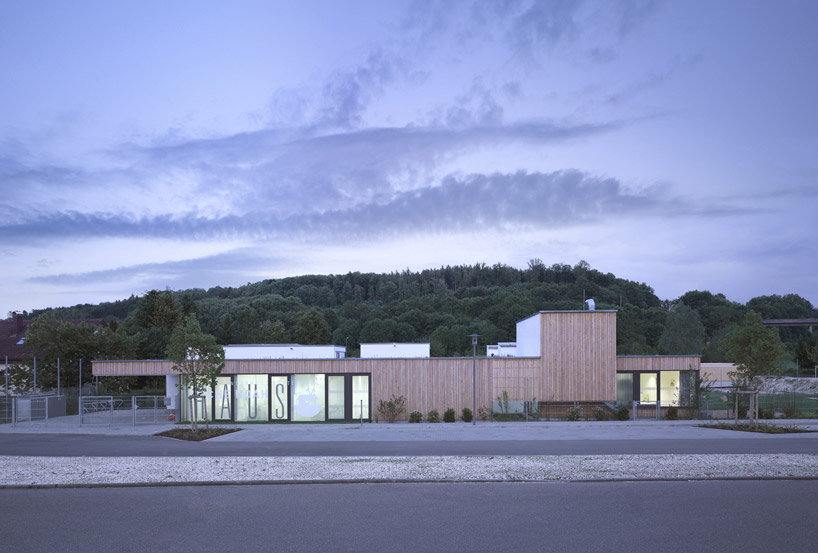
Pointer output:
x,y
280,390
307,404
225,402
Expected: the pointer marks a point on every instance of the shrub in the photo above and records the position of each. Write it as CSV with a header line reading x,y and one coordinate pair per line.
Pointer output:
x,y
765,413
484,413
672,413
415,416
390,410
448,415
467,415
574,414
600,414
791,406
622,413
433,416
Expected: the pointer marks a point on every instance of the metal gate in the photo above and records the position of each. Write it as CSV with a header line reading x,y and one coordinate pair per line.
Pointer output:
x,y
125,410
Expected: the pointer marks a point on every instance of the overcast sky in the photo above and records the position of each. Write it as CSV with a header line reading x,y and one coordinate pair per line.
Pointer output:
x,y
154,144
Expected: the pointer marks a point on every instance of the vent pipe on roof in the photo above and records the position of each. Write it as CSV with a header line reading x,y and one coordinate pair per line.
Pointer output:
x,y
591,306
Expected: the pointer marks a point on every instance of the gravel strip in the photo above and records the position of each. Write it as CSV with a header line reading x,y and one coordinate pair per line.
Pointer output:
x,y
51,471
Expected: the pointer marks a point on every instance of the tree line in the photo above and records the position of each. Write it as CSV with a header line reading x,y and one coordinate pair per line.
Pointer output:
x,y
441,306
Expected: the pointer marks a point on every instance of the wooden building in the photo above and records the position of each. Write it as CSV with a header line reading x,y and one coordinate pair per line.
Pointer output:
x,y
563,356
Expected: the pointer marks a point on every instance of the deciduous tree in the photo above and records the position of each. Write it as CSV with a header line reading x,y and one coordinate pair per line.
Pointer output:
x,y
753,348
198,359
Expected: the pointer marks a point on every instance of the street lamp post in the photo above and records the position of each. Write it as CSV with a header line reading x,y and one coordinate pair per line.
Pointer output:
x,y
474,378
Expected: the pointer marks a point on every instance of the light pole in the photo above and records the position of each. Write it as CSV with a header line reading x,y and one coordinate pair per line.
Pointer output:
x,y
474,378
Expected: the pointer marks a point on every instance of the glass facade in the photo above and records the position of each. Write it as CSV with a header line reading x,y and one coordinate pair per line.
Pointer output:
x,y
624,388
309,397
294,397
647,387
279,398
202,405
223,407
335,396
252,398
360,396
669,383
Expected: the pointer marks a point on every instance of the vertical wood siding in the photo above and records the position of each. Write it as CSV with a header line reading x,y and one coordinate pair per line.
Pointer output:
x,y
436,383
658,363
578,363
578,356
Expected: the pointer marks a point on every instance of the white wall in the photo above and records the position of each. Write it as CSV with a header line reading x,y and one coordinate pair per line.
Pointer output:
x,y
528,336
283,351
172,389
503,349
394,350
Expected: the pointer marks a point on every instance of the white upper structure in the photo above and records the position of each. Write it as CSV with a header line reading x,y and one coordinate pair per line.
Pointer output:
x,y
502,349
394,350
528,336
283,351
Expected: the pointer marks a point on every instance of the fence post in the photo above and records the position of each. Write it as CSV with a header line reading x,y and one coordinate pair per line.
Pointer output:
x,y
46,410
133,409
14,411
111,421
635,410
658,410
79,400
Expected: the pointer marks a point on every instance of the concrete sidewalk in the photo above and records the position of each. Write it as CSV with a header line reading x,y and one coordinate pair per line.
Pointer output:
x,y
459,431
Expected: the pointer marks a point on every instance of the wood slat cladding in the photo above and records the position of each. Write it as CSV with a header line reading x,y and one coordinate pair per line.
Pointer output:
x,y
577,363
426,383
578,356
658,363
520,377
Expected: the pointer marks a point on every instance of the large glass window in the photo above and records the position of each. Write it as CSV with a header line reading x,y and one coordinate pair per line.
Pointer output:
x,y
308,397
335,393
279,398
252,397
360,396
223,408
201,404
647,387
624,388
669,382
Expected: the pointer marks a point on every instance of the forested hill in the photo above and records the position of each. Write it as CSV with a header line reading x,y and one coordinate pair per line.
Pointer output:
x,y
442,306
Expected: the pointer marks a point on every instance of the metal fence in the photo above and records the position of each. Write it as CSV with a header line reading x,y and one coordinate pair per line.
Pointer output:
x,y
37,408
125,410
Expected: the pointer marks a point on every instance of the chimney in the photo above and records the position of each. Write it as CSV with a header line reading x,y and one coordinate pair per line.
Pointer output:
x,y
18,323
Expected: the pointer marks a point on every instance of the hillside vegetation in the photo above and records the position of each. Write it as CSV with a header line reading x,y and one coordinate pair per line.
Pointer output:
x,y
441,306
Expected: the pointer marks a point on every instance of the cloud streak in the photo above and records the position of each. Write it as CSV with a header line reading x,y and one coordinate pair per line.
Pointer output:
x,y
496,201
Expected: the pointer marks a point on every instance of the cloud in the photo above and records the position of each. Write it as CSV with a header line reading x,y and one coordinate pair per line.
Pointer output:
x,y
455,204
347,93
182,189
214,268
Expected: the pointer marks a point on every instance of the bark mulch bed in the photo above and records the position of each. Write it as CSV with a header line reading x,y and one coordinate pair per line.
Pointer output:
x,y
198,436
762,428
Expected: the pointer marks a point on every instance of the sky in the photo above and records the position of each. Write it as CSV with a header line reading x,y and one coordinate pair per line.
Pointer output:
x,y
190,144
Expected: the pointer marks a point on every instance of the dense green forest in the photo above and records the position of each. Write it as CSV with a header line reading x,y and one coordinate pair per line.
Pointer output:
x,y
441,306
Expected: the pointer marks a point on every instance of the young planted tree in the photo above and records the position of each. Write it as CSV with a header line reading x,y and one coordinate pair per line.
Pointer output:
x,y
753,348
199,359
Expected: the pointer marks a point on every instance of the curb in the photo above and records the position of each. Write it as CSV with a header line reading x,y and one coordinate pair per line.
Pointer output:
x,y
213,483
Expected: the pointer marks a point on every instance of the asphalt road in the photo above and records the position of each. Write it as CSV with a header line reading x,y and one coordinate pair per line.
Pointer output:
x,y
69,445
745,516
